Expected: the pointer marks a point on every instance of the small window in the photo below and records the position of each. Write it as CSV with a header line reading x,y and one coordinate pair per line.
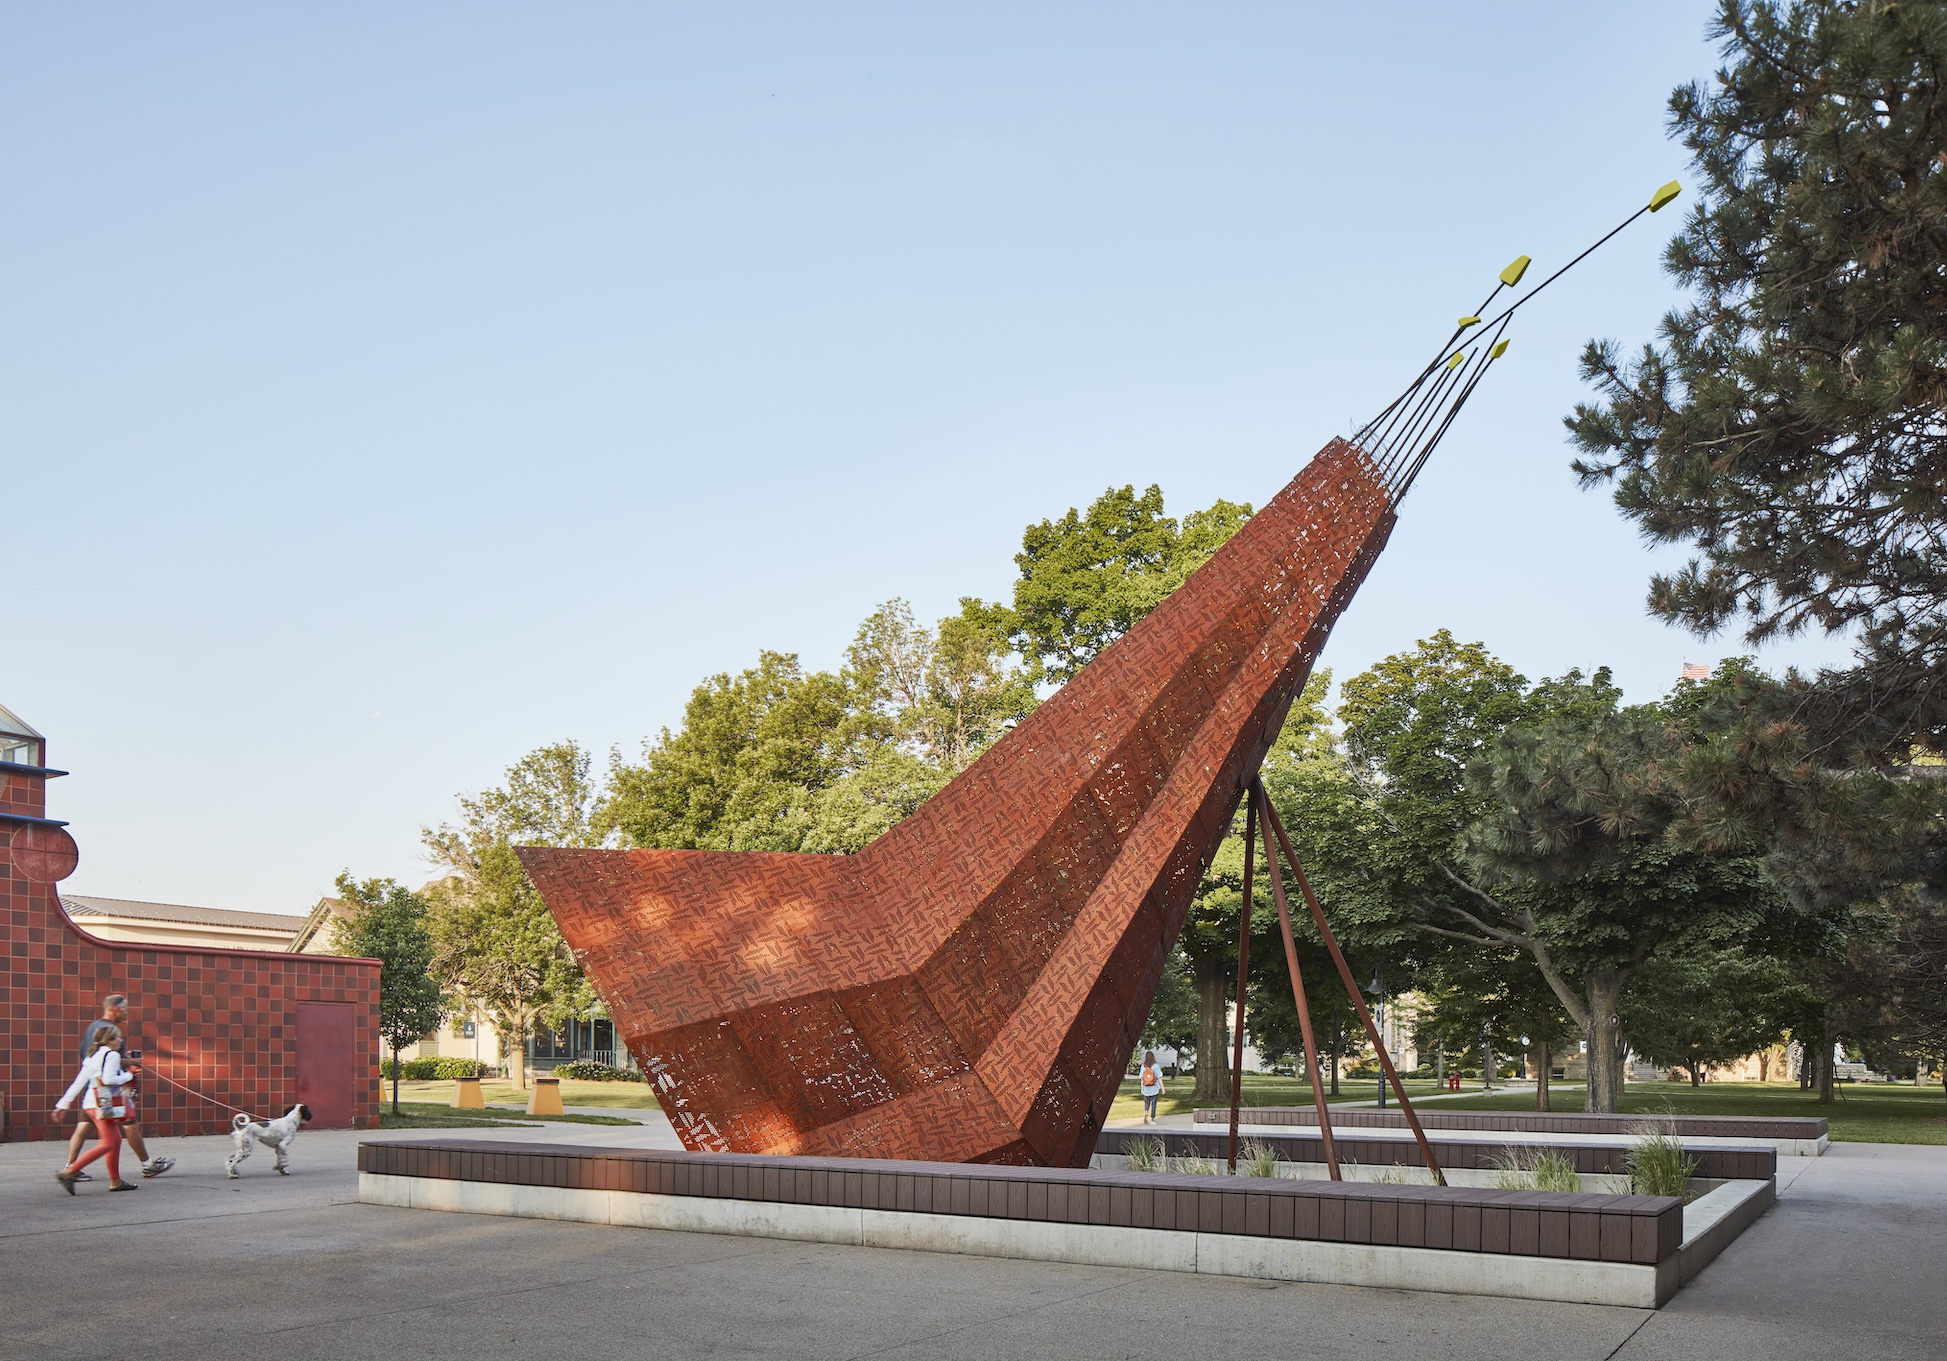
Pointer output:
x,y
20,745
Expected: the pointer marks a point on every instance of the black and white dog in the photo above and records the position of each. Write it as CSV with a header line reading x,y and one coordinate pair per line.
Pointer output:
x,y
278,1134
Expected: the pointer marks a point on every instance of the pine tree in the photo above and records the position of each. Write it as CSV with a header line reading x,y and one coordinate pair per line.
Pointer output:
x,y
1789,427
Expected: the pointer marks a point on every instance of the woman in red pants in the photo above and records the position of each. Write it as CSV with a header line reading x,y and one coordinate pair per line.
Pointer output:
x,y
99,1085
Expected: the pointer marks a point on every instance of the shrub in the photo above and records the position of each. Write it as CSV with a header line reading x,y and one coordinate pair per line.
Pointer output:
x,y
1200,1167
587,1070
431,1069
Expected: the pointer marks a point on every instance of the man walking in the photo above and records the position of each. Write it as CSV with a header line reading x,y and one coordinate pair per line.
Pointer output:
x,y
114,1012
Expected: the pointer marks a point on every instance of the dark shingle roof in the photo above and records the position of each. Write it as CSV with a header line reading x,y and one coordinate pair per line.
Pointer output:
x,y
80,907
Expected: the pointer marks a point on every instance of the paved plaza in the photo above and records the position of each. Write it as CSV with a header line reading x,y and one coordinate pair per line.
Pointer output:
x,y
288,1268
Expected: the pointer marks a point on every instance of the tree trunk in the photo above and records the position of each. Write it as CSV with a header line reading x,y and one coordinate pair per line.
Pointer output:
x,y
1213,1032
513,1048
395,1079
1696,1076
1440,1066
1543,1058
1338,1056
1604,988
1825,1066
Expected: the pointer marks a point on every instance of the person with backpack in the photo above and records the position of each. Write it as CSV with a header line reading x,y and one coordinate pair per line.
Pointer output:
x,y
1152,1080
99,1085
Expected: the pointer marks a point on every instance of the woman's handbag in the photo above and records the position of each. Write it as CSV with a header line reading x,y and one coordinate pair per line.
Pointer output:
x,y
108,1100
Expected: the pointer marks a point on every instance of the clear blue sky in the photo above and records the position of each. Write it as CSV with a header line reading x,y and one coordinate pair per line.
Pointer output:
x,y
385,390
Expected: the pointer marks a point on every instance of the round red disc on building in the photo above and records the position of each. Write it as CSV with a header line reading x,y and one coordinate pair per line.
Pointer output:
x,y
46,855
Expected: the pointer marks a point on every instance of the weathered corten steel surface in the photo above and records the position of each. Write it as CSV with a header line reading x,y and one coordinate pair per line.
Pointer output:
x,y
969,986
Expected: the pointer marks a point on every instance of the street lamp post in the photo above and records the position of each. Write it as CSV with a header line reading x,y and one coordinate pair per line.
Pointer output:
x,y
1378,990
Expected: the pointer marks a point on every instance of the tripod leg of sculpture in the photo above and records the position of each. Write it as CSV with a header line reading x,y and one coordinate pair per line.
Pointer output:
x,y
1243,972
1297,979
1352,990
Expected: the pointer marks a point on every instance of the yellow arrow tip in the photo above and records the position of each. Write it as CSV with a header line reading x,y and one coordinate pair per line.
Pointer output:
x,y
1512,274
1454,363
1465,322
1664,195
1498,350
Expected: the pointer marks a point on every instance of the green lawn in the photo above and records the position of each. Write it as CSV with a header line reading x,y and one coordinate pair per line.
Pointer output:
x,y
438,1115
633,1096
1260,1089
427,1115
1873,1113
1868,1112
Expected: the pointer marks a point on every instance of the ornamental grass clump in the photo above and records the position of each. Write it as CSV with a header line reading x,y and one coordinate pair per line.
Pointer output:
x,y
1146,1155
1257,1159
1200,1167
1657,1164
1554,1170
1536,1169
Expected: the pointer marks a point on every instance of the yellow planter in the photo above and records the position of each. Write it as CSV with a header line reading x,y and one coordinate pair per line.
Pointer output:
x,y
546,1097
466,1094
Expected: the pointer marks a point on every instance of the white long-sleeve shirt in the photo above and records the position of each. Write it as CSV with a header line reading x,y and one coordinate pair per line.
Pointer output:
x,y
104,1065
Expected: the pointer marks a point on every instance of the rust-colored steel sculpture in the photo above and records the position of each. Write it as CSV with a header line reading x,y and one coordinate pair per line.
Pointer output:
x,y
969,986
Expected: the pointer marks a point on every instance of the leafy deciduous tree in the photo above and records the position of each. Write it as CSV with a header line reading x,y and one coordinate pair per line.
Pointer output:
x,y
387,922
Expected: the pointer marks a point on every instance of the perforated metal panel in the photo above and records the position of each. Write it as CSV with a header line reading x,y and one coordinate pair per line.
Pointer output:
x,y
968,987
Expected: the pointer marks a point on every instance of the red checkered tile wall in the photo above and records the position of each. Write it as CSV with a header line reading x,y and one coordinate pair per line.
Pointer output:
x,y
969,986
220,1022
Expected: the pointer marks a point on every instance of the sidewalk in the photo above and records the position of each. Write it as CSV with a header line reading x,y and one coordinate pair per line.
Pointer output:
x,y
655,1119
1188,1120
292,1268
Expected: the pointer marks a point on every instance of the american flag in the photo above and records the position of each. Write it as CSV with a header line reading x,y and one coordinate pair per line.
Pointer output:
x,y
1695,671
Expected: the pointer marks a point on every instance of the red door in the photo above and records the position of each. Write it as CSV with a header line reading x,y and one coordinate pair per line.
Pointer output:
x,y
327,1062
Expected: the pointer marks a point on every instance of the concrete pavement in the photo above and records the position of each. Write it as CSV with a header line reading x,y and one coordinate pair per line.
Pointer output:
x,y
293,1268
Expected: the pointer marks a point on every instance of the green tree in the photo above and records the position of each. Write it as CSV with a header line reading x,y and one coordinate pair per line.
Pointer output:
x,y
1172,1021
1466,818
944,695
1272,1017
1209,936
1590,895
777,759
387,922
1705,1008
496,943
1788,427
741,773
1087,578
1487,996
